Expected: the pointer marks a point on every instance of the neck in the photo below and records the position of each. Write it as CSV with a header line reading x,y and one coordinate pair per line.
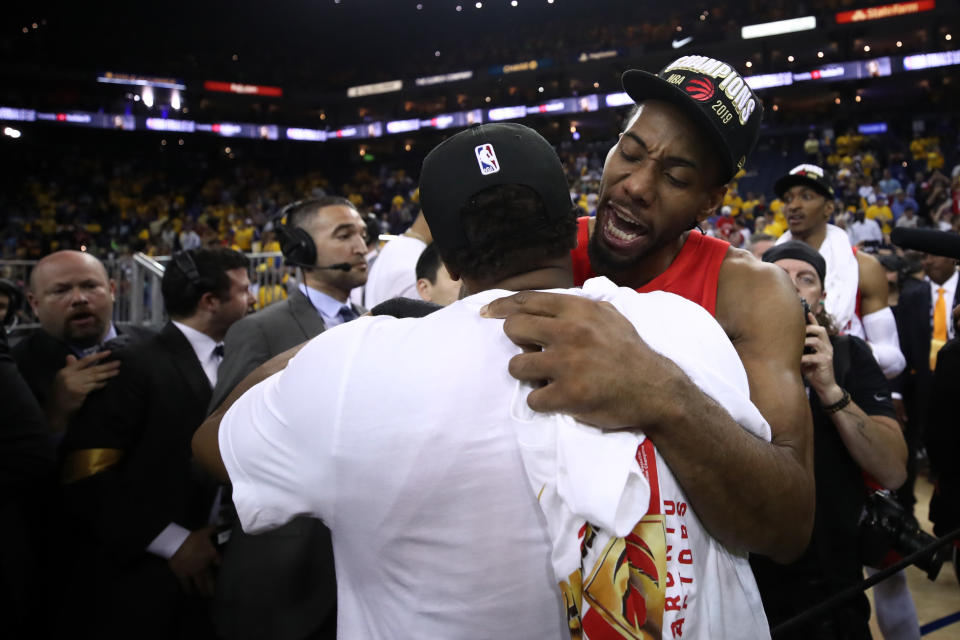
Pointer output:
x,y
325,287
650,266
814,237
419,230
204,325
556,275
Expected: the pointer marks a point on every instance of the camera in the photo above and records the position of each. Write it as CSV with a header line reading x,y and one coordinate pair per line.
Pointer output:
x,y
885,526
806,311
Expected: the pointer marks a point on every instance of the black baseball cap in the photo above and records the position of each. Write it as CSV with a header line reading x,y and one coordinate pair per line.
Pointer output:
x,y
714,95
797,250
481,157
809,175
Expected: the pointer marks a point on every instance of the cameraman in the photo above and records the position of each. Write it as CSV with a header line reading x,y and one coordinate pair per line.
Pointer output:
x,y
855,431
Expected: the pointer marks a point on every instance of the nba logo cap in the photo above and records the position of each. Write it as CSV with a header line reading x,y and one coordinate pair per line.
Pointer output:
x,y
486,156
714,95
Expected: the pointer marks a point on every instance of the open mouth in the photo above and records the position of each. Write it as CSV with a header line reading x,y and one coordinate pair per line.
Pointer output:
x,y
620,228
82,318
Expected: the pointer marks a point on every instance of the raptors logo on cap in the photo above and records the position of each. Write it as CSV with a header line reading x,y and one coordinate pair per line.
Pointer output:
x,y
700,89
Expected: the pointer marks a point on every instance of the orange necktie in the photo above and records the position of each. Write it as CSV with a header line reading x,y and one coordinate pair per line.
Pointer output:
x,y
939,327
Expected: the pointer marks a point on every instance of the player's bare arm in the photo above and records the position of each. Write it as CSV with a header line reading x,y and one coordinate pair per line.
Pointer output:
x,y
750,494
206,443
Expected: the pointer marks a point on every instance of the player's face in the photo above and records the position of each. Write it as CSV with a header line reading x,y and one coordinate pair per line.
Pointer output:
x,y
805,209
657,182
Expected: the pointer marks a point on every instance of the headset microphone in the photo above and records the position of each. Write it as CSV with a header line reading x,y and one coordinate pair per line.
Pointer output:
x,y
340,266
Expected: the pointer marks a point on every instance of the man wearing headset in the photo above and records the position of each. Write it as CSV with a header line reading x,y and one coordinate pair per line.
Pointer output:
x,y
141,516
325,237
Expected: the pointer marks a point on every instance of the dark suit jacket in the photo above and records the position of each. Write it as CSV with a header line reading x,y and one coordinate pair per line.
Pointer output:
x,y
40,356
279,584
140,427
913,326
27,505
942,439
258,337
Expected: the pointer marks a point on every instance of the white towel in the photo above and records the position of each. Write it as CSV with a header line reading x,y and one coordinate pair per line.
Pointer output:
x,y
843,279
582,475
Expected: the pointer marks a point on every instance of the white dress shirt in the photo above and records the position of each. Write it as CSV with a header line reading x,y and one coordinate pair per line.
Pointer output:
x,y
949,291
327,306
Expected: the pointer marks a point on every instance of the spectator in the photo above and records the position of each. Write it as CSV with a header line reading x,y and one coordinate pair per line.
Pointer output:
x,y
394,273
66,358
130,484
888,184
900,203
434,283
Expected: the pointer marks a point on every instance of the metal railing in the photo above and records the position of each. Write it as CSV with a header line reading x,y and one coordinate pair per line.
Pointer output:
x,y
137,279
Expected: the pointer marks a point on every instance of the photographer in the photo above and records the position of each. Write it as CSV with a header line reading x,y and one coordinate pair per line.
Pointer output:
x,y
855,431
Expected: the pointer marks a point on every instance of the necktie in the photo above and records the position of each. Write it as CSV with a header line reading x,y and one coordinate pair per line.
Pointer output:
x,y
347,314
939,327
218,351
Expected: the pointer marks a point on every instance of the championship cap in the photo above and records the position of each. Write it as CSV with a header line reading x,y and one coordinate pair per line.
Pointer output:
x,y
796,250
712,93
484,156
809,175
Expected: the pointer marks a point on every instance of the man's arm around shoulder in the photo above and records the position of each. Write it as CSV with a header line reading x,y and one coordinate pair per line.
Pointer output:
x,y
750,494
206,442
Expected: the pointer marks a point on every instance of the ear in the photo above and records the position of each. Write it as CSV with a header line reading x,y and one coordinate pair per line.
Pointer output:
x,y
423,289
712,201
32,299
208,302
113,290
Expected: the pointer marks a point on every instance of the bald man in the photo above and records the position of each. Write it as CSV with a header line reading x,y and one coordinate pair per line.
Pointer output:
x,y
63,361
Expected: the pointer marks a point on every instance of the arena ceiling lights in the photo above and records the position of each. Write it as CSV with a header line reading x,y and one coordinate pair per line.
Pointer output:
x,y
779,27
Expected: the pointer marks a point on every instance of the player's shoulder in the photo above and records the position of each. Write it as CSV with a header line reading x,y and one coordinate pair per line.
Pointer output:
x,y
755,298
749,277
873,278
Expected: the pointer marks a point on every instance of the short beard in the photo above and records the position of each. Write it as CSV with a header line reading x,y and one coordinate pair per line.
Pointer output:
x,y
603,261
85,341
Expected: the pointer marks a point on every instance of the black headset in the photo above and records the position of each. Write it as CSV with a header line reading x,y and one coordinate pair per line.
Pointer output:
x,y
296,244
185,262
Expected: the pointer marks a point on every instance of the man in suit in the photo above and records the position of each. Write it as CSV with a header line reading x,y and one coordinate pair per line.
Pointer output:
x,y
924,325
144,513
281,584
63,361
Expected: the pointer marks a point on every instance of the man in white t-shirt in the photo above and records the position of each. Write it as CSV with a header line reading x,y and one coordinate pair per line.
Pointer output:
x,y
394,272
863,229
456,510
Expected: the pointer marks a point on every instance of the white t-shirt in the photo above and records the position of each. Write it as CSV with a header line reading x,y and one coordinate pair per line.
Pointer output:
x,y
394,274
436,530
864,230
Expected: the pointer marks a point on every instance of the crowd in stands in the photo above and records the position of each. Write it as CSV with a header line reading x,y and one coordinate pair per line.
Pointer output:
x,y
115,208
877,189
